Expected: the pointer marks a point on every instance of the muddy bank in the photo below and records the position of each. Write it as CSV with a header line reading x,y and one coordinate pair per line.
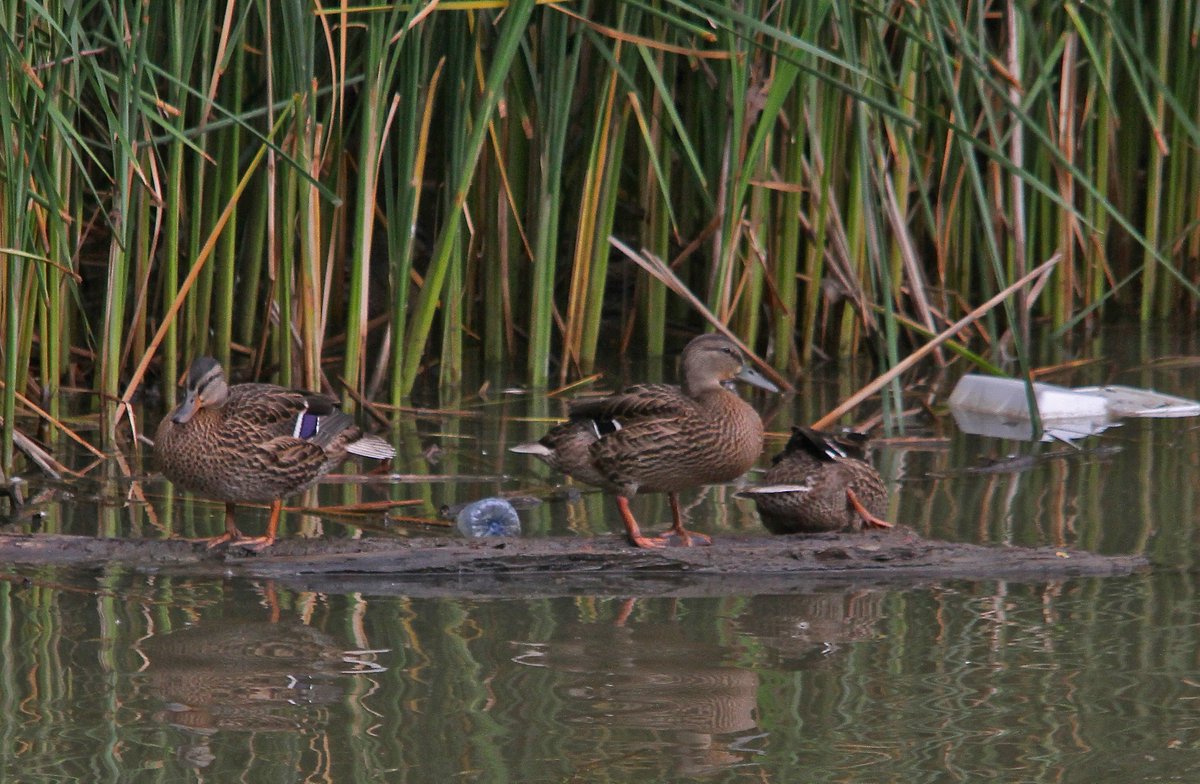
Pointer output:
x,y
442,566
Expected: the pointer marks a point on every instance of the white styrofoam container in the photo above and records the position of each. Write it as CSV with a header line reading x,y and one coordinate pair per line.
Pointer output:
x,y
1005,397
1021,429
1136,402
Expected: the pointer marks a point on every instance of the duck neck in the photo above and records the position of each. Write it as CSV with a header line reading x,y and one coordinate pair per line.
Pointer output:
x,y
702,388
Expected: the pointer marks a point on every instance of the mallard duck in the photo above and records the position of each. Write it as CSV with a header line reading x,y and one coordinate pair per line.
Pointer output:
x,y
250,443
663,438
821,482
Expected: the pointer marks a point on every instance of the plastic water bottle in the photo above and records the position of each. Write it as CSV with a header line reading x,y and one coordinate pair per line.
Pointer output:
x,y
489,517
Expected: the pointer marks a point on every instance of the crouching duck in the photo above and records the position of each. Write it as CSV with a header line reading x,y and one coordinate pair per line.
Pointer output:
x,y
661,438
821,482
254,443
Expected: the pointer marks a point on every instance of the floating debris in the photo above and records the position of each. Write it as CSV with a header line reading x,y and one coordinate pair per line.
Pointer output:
x,y
1015,464
999,407
1005,397
489,517
1137,402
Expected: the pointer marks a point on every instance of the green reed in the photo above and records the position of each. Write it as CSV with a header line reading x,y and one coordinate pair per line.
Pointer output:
x,y
555,95
822,177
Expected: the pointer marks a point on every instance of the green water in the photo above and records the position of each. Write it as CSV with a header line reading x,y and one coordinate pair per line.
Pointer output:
x,y
178,680
128,675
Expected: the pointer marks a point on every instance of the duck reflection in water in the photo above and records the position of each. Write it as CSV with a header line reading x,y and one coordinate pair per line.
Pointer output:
x,y
805,631
656,679
242,675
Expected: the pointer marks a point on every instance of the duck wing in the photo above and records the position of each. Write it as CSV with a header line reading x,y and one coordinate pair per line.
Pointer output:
x,y
643,401
825,447
272,411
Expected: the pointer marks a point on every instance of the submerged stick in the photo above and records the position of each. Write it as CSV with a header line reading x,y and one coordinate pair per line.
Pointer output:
x,y
912,359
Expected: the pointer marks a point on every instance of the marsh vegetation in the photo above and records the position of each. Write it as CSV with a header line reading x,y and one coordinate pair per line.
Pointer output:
x,y
363,198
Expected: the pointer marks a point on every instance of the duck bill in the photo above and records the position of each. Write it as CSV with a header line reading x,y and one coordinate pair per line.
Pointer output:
x,y
754,378
187,409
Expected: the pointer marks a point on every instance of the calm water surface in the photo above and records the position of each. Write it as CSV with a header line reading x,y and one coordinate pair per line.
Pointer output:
x,y
124,675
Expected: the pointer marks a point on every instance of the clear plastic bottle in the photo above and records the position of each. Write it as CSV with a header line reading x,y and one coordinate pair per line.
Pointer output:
x,y
489,517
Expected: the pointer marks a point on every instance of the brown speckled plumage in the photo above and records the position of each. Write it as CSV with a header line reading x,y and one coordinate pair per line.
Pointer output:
x,y
809,487
661,437
243,443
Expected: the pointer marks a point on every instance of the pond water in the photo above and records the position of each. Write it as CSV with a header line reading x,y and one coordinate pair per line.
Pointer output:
x,y
132,675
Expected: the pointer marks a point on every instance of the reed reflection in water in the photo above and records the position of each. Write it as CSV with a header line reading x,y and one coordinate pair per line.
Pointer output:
x,y
202,680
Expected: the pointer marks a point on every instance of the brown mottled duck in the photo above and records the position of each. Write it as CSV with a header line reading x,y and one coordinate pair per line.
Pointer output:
x,y
662,438
254,443
821,482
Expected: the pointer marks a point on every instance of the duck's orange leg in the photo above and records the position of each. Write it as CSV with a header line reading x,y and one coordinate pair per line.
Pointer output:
x,y
631,526
231,534
869,520
677,528
258,543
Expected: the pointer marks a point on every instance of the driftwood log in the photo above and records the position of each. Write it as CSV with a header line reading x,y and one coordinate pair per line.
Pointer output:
x,y
443,566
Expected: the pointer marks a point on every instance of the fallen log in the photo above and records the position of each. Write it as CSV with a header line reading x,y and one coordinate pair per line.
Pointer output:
x,y
549,566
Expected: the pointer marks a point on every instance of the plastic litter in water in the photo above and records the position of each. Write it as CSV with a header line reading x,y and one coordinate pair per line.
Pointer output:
x,y
488,517
1137,402
997,407
992,406
1005,397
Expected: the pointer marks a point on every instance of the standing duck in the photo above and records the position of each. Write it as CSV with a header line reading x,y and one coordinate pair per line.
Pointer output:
x,y
661,438
254,443
821,482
